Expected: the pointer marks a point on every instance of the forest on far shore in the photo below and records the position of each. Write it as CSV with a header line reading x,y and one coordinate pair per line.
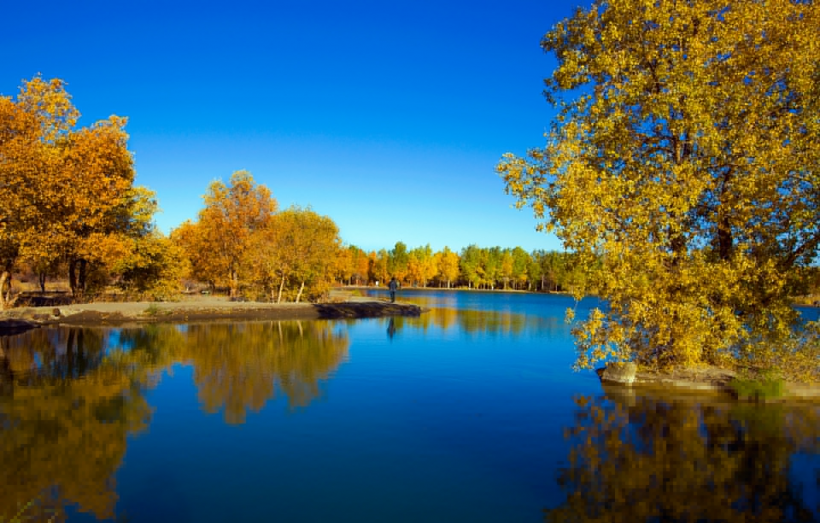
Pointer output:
x,y
72,220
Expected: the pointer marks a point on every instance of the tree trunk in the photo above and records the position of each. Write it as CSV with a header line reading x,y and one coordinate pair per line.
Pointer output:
x,y
299,294
4,277
42,280
83,274
77,276
233,279
281,287
72,276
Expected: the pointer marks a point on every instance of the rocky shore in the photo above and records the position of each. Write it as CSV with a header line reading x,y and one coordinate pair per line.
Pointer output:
x,y
696,380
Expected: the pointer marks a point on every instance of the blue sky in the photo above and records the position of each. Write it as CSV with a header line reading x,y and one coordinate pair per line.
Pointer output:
x,y
389,116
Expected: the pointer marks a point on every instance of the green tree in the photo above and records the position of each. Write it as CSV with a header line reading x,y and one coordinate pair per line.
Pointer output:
x,y
535,273
684,157
470,264
398,260
506,267
521,262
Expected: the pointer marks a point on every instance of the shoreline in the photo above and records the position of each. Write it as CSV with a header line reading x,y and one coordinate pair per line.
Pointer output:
x,y
704,381
344,305
197,309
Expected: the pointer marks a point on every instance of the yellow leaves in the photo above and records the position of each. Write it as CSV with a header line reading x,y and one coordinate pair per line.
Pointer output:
x,y
684,152
66,187
240,240
51,104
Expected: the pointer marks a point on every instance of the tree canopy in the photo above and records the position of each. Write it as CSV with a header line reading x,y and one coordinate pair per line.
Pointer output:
x,y
67,194
684,154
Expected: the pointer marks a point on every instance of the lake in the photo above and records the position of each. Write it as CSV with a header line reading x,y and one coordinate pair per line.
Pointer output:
x,y
470,412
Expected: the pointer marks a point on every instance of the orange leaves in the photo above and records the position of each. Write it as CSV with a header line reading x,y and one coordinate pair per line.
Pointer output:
x,y
241,241
66,191
217,244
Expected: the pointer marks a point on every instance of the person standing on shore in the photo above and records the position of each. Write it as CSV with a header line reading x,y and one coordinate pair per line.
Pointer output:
x,y
394,286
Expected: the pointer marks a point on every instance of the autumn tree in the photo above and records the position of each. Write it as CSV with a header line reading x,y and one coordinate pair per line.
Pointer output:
x,y
420,265
33,129
344,265
447,266
361,265
295,254
315,243
506,267
397,261
684,156
379,266
218,243
67,192
19,148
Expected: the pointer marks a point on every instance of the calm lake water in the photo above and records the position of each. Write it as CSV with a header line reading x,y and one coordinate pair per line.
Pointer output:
x,y
469,413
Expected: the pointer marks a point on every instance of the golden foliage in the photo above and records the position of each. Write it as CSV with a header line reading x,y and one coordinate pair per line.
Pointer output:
x,y
218,242
296,253
67,193
684,158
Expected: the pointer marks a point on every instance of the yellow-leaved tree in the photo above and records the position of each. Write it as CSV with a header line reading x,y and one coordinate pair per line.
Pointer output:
x,y
218,243
66,193
295,254
447,264
685,155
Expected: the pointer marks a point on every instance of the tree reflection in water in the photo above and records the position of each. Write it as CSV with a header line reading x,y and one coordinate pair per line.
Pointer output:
x,y
66,409
69,398
239,367
643,458
483,322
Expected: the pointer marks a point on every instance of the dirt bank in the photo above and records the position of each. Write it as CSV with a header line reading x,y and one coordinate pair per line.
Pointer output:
x,y
197,308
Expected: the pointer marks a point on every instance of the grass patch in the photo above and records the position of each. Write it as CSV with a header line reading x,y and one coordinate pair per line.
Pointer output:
x,y
152,310
765,386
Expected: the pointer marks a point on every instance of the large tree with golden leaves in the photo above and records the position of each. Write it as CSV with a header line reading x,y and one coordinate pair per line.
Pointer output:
x,y
685,153
217,245
66,192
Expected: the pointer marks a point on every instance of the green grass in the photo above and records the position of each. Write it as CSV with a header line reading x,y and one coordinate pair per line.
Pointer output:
x,y
763,387
152,310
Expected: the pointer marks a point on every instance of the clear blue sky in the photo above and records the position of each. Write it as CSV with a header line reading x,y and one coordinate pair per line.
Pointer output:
x,y
387,116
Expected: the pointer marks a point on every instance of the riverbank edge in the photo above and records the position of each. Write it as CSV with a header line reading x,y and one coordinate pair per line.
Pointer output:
x,y
711,381
18,320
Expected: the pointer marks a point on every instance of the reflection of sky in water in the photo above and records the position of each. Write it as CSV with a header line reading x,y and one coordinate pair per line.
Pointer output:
x,y
456,415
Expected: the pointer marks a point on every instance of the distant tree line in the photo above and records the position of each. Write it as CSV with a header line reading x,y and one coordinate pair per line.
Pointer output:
x,y
473,267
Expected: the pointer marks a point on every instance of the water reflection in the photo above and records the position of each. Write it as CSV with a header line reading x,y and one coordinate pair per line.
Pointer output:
x,y
65,414
485,322
643,458
239,367
69,398
391,328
